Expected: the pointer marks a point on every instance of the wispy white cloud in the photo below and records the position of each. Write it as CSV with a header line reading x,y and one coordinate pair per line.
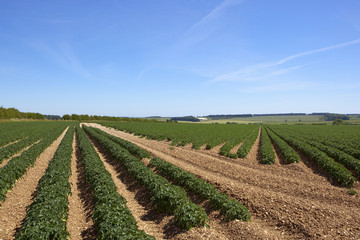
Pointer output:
x,y
64,57
345,44
263,70
208,24
216,12
143,72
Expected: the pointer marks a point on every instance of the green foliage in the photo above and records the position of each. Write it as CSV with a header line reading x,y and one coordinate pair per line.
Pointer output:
x,y
266,150
18,166
338,122
352,192
9,113
187,118
47,214
86,117
338,173
244,149
112,218
232,209
164,196
30,133
227,147
210,135
132,148
189,214
334,116
286,151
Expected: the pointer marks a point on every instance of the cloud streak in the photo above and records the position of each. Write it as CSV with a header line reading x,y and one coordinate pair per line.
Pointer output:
x,y
216,12
208,24
62,57
345,44
264,70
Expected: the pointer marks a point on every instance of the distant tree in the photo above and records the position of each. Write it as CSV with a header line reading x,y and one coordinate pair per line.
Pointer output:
x,y
338,122
9,113
334,116
66,117
186,118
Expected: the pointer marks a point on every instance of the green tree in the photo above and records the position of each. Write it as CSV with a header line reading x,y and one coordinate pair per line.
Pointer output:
x,y
338,122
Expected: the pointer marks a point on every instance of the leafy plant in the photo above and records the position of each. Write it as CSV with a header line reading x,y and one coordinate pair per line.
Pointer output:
x,y
164,196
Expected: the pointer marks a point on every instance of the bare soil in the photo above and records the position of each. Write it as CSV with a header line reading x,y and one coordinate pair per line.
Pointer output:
x,y
13,209
292,201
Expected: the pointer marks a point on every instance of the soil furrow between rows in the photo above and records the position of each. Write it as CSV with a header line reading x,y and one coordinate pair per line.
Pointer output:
x,y
80,224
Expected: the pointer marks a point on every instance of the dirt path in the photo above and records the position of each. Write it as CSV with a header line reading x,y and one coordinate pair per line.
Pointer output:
x,y
79,224
13,209
286,201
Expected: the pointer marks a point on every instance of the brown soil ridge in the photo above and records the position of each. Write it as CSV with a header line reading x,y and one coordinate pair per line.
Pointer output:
x,y
288,199
13,209
80,224
5,161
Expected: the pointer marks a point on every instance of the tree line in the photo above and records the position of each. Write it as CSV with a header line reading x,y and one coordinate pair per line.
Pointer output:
x,y
13,113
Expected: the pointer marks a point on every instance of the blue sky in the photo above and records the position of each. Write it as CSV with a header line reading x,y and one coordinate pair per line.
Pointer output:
x,y
180,57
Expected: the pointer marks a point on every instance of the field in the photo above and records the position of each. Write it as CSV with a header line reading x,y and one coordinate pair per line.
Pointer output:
x,y
149,180
273,119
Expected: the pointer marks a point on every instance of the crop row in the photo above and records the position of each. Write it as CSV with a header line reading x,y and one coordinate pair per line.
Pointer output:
x,y
225,150
164,196
183,133
18,166
347,160
231,208
342,157
244,149
14,148
47,214
287,152
344,138
338,173
266,151
132,148
13,131
112,218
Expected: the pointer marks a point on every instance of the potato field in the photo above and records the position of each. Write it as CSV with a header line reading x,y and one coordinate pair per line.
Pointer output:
x,y
157,180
